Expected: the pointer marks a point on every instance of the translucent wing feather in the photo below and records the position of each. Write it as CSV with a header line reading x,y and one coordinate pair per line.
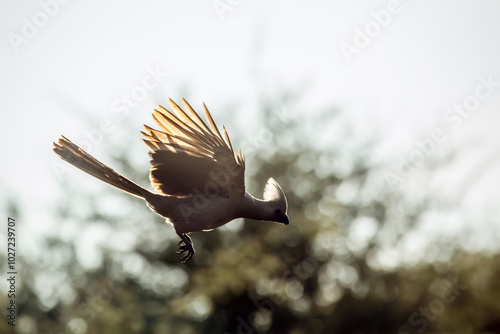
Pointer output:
x,y
187,154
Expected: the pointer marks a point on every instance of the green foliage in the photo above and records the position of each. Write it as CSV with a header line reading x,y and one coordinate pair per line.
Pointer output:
x,y
313,276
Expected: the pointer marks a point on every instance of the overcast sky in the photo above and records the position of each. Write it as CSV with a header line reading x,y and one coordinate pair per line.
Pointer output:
x,y
393,66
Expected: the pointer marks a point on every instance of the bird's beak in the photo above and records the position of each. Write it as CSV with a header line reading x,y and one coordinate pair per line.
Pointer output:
x,y
283,219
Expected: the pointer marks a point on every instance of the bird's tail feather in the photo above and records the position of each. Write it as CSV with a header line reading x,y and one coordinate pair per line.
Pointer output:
x,y
73,154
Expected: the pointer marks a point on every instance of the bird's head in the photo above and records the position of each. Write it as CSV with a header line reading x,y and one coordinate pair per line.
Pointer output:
x,y
276,200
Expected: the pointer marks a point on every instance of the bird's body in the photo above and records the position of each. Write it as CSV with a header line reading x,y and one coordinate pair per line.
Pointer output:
x,y
199,179
188,215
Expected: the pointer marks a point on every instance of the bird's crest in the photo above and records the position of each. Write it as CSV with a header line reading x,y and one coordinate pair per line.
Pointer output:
x,y
274,193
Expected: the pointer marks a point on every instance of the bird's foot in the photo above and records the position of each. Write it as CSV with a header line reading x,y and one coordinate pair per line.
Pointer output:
x,y
185,245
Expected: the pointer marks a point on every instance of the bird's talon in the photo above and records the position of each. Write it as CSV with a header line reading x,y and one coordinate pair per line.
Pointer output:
x,y
186,250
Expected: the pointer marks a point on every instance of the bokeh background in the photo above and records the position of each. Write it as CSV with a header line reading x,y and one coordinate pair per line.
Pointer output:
x,y
378,118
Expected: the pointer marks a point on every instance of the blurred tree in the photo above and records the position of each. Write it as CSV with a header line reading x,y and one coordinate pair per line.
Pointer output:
x,y
112,267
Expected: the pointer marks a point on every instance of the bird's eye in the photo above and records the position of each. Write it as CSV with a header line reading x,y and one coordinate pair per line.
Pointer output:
x,y
277,211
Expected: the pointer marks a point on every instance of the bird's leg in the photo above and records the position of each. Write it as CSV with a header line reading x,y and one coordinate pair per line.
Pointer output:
x,y
185,245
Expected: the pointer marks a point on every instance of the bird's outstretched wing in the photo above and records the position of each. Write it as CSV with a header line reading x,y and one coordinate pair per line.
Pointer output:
x,y
188,157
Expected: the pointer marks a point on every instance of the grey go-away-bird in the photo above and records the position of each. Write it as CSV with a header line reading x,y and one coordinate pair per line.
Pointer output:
x,y
198,178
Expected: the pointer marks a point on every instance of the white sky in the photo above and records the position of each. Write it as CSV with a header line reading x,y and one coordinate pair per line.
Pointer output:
x,y
427,58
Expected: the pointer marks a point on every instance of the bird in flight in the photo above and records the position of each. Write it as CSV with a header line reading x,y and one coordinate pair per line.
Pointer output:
x,y
198,178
